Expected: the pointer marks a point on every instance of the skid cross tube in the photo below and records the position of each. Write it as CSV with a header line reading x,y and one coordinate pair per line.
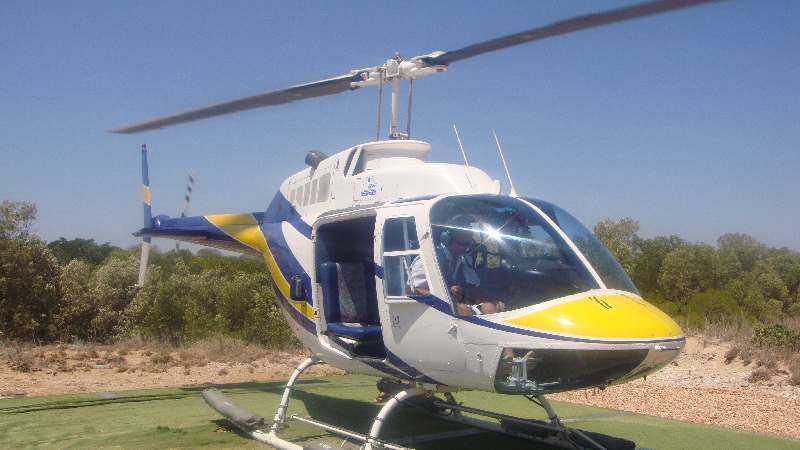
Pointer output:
x,y
557,434
271,438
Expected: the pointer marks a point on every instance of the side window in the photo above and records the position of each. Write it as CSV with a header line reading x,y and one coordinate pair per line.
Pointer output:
x,y
400,234
324,188
397,274
403,268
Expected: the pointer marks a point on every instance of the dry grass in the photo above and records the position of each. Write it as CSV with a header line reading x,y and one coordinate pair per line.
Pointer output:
x,y
129,355
794,368
768,361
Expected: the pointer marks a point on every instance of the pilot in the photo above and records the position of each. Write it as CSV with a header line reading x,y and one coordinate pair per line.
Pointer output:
x,y
458,268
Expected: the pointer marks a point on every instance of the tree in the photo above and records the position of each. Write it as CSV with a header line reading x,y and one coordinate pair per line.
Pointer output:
x,y
746,249
620,239
77,308
648,262
16,219
712,305
112,291
85,250
29,273
786,263
762,292
687,270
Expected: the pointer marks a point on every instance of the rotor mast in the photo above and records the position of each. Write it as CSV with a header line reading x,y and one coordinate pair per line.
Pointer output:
x,y
393,71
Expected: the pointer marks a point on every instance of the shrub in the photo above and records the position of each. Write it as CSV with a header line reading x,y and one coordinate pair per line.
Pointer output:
x,y
776,336
74,317
29,292
760,374
113,290
711,306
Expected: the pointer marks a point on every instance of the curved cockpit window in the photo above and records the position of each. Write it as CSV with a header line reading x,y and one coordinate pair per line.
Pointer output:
x,y
497,248
612,274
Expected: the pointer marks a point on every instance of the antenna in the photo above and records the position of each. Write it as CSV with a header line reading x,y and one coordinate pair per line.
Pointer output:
x,y
513,192
462,147
465,159
380,94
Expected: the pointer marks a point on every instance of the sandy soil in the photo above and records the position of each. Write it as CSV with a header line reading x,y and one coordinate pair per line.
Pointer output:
x,y
699,386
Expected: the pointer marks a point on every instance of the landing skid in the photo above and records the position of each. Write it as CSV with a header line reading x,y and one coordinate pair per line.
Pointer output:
x,y
552,433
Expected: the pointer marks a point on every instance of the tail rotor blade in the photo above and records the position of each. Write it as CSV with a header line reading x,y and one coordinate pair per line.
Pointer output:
x,y
186,199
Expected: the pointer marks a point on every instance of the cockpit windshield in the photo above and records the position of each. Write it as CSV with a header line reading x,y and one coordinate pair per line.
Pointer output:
x,y
612,274
494,249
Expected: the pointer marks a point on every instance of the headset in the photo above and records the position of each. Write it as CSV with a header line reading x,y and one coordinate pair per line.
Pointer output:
x,y
459,222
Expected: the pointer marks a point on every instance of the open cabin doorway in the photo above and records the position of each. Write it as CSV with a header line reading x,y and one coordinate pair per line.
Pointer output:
x,y
345,264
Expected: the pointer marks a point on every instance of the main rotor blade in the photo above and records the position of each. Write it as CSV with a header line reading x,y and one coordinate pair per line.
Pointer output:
x,y
563,27
278,97
348,81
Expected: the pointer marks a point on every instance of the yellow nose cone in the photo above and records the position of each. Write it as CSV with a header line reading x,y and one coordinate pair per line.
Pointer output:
x,y
613,316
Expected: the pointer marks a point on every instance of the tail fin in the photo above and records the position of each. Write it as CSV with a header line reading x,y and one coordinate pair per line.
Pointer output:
x,y
148,216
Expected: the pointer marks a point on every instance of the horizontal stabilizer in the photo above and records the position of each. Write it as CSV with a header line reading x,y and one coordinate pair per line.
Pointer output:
x,y
239,415
233,232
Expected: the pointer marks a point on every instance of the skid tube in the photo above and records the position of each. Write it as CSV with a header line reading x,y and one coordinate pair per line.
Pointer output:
x,y
551,433
248,421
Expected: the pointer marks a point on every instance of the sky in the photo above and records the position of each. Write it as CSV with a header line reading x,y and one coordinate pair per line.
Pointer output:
x,y
688,122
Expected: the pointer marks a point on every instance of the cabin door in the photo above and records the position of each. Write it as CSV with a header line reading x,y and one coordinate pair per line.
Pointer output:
x,y
418,328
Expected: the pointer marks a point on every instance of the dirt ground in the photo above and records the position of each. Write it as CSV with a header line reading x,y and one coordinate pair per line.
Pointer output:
x,y
698,387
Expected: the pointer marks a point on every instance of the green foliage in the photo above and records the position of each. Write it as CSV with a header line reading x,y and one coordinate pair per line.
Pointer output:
x,y
714,306
29,290
657,299
745,249
649,259
73,319
29,276
112,290
16,219
682,278
776,336
85,250
249,311
687,270
187,297
620,239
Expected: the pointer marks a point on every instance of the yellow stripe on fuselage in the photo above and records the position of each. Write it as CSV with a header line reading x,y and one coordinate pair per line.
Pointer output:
x,y
244,228
612,316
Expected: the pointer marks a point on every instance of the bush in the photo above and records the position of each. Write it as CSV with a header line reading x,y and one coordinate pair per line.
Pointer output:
x,y
248,311
776,336
112,291
29,291
74,317
711,306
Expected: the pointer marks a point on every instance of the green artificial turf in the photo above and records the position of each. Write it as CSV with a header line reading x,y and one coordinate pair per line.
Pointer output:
x,y
178,418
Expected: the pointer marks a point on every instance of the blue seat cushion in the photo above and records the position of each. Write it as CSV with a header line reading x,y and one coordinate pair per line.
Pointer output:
x,y
360,333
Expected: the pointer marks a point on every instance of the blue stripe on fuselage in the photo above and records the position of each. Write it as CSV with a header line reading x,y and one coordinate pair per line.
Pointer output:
x,y
415,373
444,307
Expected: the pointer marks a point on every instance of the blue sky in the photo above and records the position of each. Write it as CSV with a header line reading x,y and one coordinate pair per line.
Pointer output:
x,y
688,122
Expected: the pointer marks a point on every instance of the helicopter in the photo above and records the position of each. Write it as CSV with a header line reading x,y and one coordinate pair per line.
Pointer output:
x,y
427,275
